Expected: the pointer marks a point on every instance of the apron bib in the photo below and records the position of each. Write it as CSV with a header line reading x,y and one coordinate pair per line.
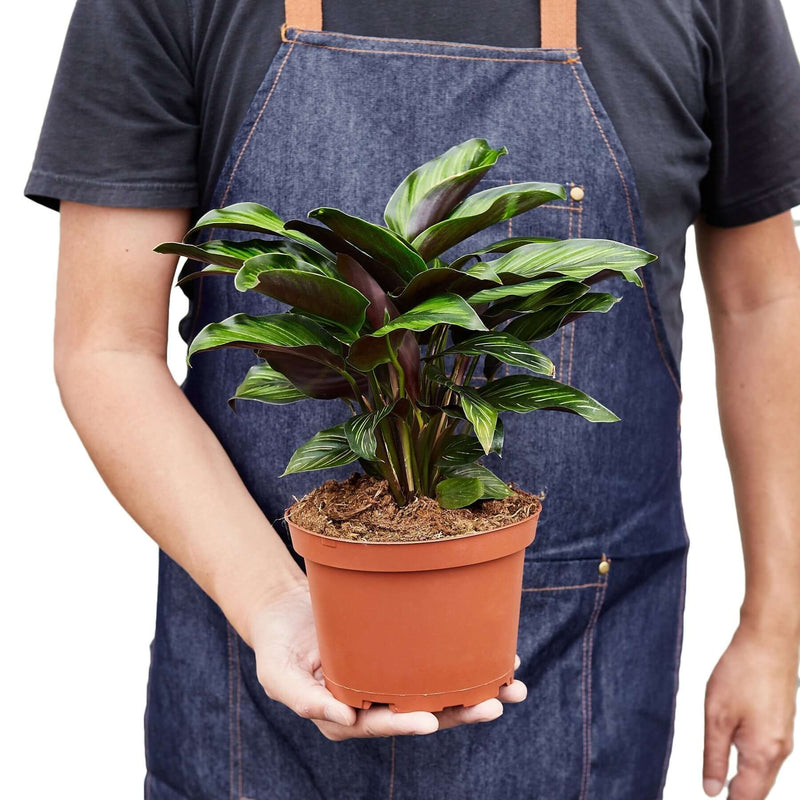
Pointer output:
x,y
339,120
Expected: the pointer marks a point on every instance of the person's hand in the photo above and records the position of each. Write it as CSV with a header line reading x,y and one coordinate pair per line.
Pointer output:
x,y
750,702
288,662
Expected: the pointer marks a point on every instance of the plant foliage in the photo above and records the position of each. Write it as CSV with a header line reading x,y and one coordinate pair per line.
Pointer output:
x,y
379,320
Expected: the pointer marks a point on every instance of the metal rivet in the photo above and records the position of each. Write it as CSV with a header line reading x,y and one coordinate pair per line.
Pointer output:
x,y
604,566
576,193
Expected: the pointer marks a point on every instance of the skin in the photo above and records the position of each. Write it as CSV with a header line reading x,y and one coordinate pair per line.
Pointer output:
x,y
751,276
166,467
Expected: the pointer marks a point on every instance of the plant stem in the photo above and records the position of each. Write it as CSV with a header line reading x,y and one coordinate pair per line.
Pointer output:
x,y
409,457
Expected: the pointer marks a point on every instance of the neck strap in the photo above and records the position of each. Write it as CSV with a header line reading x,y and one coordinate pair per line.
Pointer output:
x,y
559,20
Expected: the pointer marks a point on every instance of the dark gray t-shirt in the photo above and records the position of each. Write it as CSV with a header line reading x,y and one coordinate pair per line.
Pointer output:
x,y
705,96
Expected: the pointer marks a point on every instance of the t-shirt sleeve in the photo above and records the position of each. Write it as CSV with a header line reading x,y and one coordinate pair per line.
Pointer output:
x,y
752,86
121,126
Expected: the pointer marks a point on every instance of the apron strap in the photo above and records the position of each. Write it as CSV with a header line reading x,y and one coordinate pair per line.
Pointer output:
x,y
303,14
559,23
559,20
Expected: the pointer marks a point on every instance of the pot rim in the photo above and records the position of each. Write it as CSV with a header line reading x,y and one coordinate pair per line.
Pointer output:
x,y
415,541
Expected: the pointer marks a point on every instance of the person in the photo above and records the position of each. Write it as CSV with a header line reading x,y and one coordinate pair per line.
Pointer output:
x,y
655,117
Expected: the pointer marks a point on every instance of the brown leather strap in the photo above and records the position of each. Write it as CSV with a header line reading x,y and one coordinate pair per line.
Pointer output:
x,y
559,20
304,14
559,23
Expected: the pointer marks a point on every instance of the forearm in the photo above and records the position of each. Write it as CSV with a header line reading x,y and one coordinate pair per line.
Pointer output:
x,y
758,384
166,467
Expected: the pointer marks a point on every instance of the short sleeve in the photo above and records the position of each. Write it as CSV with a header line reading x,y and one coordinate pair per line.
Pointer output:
x,y
121,127
752,86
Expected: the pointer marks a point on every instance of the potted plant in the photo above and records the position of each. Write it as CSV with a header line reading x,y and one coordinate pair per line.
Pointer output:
x,y
419,558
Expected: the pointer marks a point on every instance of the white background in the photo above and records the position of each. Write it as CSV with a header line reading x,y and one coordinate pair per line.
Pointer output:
x,y
78,576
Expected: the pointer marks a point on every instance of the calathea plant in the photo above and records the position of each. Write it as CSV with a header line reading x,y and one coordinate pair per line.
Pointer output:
x,y
379,320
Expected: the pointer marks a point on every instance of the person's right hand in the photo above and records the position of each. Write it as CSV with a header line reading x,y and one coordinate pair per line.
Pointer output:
x,y
288,662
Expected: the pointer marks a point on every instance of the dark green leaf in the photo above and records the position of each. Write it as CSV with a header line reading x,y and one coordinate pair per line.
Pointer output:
x,y
290,280
233,254
326,449
492,488
360,432
541,324
378,242
479,211
432,190
500,246
435,281
522,393
458,492
525,289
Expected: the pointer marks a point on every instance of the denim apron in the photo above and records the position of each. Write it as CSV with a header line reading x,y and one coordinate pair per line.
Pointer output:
x,y
339,120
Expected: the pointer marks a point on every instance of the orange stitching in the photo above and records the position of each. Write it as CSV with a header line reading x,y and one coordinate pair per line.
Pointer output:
x,y
562,208
587,683
562,588
255,124
611,153
431,41
232,793
391,774
658,341
433,55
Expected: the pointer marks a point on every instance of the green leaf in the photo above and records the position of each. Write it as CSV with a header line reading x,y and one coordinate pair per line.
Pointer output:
x,y
211,269
326,449
576,258
360,432
500,246
525,289
368,351
243,330
233,254
266,385
253,217
432,190
376,241
436,281
458,492
541,324
522,393
447,309
479,211
465,448
492,487
290,280
506,348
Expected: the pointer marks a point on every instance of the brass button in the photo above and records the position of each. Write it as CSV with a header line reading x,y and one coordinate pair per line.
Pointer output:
x,y
576,193
604,566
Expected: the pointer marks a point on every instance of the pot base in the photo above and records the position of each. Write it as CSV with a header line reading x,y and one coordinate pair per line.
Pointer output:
x,y
420,702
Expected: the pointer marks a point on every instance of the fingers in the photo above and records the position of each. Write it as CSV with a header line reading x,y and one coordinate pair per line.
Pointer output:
x,y
759,760
467,715
306,696
719,727
381,721
515,692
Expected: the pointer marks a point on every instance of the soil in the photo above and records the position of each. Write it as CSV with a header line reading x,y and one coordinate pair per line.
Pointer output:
x,y
362,508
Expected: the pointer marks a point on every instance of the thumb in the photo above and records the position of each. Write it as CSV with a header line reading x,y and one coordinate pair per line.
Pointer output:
x,y
305,695
719,727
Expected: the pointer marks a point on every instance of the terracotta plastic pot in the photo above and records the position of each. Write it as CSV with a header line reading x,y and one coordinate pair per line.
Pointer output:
x,y
417,625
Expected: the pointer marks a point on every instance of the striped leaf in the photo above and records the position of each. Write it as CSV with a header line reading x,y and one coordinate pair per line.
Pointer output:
x,y
541,324
480,210
266,385
505,348
525,289
500,246
465,448
435,188
291,280
233,254
436,281
576,258
522,393
326,449
378,242
360,432
447,309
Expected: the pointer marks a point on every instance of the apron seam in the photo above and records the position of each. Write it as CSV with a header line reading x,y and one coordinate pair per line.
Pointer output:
x,y
563,588
586,687
435,55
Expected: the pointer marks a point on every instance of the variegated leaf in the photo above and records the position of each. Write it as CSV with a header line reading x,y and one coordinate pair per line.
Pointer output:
x,y
326,449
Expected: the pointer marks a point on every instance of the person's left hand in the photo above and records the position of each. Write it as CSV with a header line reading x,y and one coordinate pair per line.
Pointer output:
x,y
750,703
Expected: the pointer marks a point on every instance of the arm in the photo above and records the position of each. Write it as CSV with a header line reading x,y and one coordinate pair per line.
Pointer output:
x,y
751,276
165,466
